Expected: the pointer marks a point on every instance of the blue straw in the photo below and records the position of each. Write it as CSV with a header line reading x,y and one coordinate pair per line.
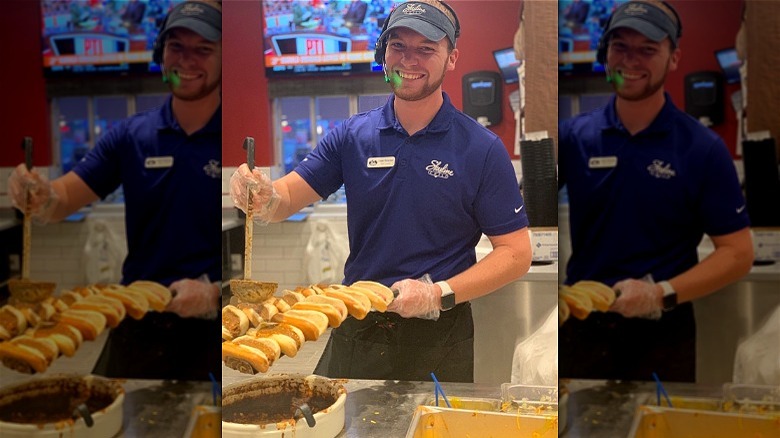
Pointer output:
x,y
660,389
438,390
215,388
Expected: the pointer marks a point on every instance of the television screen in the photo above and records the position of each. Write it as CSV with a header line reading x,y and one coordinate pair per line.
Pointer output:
x,y
312,37
579,29
507,64
729,63
100,36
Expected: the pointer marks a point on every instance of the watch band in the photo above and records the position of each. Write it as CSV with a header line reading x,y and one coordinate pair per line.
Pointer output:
x,y
447,295
669,300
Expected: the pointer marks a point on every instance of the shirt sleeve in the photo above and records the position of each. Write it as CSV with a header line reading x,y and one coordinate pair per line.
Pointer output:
x,y
723,204
499,204
321,168
101,167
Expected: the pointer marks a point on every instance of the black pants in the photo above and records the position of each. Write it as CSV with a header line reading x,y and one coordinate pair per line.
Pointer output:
x,y
163,346
609,346
385,346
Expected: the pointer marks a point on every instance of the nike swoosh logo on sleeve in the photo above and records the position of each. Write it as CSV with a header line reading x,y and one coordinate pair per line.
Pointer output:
x,y
517,210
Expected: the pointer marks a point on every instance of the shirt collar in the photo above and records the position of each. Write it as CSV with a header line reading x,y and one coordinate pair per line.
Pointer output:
x,y
660,125
167,121
441,122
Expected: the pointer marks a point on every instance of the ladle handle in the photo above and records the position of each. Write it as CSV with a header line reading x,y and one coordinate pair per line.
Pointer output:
x,y
305,411
27,224
249,145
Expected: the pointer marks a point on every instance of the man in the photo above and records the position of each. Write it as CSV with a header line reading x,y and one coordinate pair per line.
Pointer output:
x,y
168,162
424,182
645,183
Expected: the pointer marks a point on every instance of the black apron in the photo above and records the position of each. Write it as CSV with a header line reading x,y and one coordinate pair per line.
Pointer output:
x,y
385,346
163,345
609,346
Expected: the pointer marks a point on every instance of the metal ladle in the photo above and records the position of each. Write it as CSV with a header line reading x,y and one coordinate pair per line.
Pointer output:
x,y
304,411
246,289
23,289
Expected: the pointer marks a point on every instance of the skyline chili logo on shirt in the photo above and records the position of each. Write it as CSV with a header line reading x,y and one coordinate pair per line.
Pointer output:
x,y
436,170
660,170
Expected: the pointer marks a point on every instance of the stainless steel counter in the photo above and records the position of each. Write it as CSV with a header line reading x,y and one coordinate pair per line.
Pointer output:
x,y
504,318
384,409
606,409
155,408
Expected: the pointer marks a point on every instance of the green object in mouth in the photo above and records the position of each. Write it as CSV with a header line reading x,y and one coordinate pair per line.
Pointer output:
x,y
175,80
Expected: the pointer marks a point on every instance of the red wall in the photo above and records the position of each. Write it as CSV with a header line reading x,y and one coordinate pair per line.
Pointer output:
x,y
485,26
25,110
708,25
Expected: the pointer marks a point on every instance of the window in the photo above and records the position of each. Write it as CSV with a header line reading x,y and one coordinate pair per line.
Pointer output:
x,y
301,122
81,121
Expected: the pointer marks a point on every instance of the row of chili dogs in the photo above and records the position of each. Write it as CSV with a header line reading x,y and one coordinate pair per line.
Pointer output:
x,y
257,334
33,335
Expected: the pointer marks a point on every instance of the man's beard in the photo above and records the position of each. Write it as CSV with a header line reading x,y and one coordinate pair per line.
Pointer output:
x,y
649,90
205,90
427,90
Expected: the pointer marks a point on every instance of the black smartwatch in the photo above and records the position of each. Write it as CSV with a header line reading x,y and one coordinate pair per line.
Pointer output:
x,y
447,295
669,300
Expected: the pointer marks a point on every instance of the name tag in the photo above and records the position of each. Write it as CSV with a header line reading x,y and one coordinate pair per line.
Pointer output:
x,y
380,162
158,162
602,162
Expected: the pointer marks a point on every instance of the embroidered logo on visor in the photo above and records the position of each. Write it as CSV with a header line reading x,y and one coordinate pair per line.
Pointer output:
x,y
413,10
436,170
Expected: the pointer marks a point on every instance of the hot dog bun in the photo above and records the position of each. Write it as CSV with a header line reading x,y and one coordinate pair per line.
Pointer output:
x,y
252,312
89,322
46,346
158,295
234,320
579,302
244,358
357,304
335,302
289,337
136,304
602,295
268,346
67,338
376,301
383,291
22,358
333,315
310,322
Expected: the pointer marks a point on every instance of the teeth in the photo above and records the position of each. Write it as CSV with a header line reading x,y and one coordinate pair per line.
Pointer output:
x,y
186,76
629,75
409,75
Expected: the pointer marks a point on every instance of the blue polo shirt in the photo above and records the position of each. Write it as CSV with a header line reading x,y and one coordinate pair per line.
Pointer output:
x,y
172,212
416,204
646,214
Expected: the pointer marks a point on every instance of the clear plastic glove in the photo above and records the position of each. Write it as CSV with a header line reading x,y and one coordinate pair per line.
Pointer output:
x,y
265,199
43,198
194,298
638,299
416,299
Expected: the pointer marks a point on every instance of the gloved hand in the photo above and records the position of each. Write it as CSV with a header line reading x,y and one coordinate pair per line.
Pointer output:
x,y
265,199
194,298
416,299
638,299
43,198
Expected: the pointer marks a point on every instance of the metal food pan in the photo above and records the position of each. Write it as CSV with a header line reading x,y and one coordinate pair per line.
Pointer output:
x,y
438,422
471,403
662,422
754,399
